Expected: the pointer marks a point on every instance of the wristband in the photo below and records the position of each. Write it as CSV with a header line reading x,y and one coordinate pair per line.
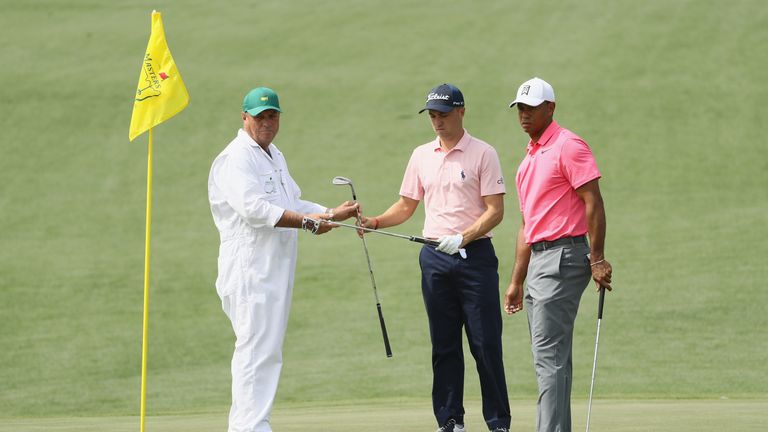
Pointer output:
x,y
309,224
596,263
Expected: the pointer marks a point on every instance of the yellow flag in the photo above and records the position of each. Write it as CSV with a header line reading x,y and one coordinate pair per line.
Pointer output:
x,y
161,93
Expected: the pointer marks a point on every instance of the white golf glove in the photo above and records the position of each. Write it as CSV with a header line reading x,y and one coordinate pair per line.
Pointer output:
x,y
450,244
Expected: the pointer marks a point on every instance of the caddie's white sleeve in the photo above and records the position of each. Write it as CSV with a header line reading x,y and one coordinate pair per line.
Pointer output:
x,y
309,207
246,195
303,206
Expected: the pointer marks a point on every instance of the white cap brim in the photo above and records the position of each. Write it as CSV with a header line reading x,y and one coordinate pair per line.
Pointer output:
x,y
527,100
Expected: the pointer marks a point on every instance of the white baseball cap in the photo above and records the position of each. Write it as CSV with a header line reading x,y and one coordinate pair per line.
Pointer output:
x,y
534,92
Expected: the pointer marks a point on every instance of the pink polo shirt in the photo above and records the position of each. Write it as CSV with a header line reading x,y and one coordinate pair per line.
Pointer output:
x,y
452,184
555,166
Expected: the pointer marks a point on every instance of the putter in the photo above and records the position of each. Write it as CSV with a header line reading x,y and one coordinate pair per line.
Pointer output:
x,y
594,362
340,181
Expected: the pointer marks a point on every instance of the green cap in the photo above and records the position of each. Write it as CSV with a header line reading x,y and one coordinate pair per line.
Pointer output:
x,y
260,99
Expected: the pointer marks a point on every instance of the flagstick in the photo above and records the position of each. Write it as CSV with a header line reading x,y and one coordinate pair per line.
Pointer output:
x,y
145,333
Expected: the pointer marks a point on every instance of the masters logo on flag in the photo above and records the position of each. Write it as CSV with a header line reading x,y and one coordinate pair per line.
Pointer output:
x,y
161,93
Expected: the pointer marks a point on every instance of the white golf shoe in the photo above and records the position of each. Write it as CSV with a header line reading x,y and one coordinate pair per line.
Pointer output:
x,y
451,426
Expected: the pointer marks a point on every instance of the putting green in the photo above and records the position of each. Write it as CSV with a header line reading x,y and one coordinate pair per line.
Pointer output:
x,y
614,416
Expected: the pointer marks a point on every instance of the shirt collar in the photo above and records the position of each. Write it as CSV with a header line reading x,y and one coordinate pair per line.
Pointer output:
x,y
461,145
549,132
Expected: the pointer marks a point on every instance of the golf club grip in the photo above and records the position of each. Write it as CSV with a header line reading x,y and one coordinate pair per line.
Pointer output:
x,y
384,331
600,303
425,241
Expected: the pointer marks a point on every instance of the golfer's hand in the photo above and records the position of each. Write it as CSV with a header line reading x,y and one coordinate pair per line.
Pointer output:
x,y
450,244
345,210
601,273
367,222
325,222
513,299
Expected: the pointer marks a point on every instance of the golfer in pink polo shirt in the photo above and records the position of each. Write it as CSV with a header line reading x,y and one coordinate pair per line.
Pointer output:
x,y
459,179
557,185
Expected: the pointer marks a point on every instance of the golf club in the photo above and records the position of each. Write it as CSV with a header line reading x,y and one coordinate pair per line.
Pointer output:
x,y
391,234
340,181
462,251
594,362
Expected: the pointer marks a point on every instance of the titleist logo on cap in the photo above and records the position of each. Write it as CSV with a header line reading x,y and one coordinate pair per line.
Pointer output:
x,y
436,96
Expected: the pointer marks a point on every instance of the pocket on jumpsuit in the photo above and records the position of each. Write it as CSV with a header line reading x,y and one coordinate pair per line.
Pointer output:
x,y
269,183
251,295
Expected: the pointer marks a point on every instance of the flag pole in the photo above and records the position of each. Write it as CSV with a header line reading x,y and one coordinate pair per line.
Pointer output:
x,y
145,332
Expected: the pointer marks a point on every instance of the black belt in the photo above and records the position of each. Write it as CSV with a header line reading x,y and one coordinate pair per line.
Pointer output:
x,y
544,245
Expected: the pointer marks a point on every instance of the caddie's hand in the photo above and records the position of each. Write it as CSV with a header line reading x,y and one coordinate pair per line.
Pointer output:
x,y
320,223
513,299
601,273
450,244
345,210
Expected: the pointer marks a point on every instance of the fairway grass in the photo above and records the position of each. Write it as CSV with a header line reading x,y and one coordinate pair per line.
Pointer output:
x,y
668,94
614,416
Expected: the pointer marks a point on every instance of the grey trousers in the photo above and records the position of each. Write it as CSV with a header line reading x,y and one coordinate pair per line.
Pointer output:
x,y
556,280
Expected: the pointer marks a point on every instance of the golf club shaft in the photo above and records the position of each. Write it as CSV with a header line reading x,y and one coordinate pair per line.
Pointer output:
x,y
402,236
387,347
594,361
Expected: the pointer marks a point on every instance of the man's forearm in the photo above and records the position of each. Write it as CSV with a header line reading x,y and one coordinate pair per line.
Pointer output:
x,y
290,219
522,258
492,216
596,225
397,213
487,221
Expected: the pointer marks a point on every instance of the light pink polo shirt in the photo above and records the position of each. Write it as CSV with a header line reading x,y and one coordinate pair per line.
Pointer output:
x,y
452,184
555,166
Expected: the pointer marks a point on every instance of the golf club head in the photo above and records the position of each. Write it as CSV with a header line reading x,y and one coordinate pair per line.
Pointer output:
x,y
340,181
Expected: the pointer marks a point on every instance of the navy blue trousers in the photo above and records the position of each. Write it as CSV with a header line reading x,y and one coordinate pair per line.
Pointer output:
x,y
465,293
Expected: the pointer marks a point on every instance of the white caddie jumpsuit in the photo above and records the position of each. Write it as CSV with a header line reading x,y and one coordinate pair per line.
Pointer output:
x,y
248,191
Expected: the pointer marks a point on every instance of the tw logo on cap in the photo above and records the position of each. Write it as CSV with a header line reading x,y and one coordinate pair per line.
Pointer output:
x,y
525,90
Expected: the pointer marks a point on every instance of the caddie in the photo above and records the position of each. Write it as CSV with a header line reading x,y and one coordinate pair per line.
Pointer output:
x,y
257,208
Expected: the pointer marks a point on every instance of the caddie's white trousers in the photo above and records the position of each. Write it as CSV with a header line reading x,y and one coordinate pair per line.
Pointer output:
x,y
258,310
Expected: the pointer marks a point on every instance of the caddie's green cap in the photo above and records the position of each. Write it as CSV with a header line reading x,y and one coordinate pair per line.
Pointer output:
x,y
260,99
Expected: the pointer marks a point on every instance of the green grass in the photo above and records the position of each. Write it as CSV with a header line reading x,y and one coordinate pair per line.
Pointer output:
x,y
352,416
668,94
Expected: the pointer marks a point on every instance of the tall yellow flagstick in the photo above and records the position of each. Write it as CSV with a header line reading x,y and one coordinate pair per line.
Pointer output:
x,y
160,95
145,331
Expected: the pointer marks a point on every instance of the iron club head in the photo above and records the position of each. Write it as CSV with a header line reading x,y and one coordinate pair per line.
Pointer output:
x,y
340,181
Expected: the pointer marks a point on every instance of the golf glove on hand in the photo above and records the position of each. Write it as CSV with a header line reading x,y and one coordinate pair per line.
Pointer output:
x,y
450,244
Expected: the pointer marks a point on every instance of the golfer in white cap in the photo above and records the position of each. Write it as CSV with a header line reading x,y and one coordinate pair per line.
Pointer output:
x,y
557,185
256,206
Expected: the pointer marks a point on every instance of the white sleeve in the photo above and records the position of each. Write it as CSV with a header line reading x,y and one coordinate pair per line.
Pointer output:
x,y
241,187
303,206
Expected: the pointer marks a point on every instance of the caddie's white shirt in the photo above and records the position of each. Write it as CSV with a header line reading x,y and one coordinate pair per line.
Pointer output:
x,y
249,190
